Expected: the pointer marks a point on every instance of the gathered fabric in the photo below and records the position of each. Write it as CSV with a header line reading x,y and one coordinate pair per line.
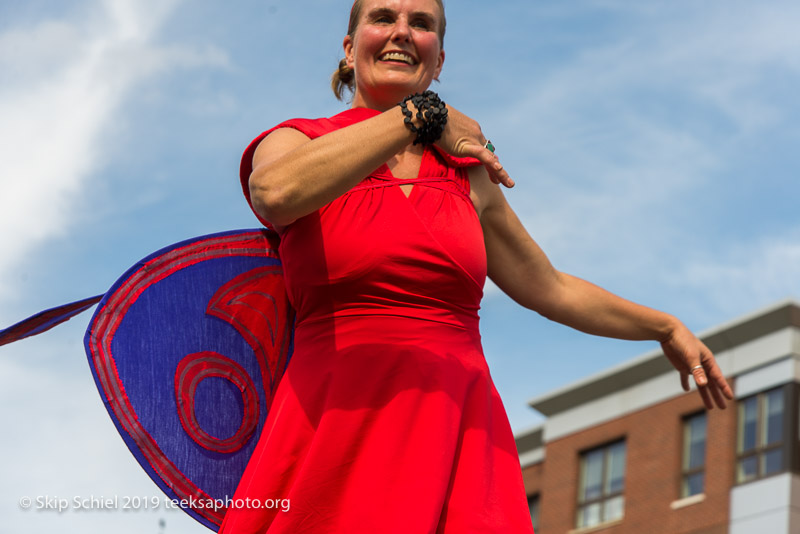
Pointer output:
x,y
387,419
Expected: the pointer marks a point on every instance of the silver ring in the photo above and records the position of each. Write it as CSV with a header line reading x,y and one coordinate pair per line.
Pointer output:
x,y
489,146
697,367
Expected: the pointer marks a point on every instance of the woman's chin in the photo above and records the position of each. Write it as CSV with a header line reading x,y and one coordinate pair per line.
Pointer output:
x,y
391,91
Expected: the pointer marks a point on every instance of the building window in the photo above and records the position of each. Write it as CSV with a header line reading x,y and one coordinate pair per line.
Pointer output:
x,y
533,505
694,455
602,481
760,441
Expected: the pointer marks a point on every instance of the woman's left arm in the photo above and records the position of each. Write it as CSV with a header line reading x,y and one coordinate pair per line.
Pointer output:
x,y
521,269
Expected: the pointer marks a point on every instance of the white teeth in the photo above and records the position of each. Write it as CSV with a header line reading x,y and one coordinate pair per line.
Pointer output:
x,y
397,56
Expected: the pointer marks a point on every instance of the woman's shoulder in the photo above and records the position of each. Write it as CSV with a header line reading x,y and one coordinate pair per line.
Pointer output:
x,y
314,128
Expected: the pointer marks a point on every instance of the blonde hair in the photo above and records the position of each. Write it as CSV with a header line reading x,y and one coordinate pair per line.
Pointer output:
x,y
344,77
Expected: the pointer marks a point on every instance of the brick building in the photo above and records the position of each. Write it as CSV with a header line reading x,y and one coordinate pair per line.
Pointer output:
x,y
627,451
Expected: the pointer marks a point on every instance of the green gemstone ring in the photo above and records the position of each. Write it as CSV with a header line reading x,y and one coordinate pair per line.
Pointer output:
x,y
489,146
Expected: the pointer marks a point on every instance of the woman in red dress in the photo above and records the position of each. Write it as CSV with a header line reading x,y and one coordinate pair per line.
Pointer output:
x,y
387,419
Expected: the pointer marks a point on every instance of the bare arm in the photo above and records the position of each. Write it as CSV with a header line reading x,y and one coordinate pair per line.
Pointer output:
x,y
294,176
521,269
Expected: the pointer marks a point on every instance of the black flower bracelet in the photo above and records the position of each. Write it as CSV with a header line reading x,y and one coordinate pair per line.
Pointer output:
x,y
431,111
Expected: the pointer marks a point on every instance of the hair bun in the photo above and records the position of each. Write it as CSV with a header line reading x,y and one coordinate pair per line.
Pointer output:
x,y
342,79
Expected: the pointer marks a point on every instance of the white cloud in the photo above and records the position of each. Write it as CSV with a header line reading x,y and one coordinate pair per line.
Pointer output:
x,y
751,274
64,85
621,134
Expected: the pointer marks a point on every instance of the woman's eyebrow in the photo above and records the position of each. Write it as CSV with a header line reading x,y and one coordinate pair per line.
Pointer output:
x,y
379,11
423,15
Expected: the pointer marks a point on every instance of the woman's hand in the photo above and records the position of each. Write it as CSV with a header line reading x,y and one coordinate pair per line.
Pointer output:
x,y
462,137
690,356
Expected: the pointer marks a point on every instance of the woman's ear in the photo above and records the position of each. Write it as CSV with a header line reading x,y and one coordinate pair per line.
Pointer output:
x,y
438,70
347,44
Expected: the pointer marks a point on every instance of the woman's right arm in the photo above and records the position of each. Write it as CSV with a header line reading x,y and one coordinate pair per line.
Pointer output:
x,y
294,175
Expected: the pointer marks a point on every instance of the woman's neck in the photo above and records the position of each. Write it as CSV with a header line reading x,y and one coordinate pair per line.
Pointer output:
x,y
384,101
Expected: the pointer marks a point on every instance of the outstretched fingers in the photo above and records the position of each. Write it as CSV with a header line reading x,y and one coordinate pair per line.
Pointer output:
x,y
710,381
699,375
685,382
463,138
716,382
497,173
692,358
719,398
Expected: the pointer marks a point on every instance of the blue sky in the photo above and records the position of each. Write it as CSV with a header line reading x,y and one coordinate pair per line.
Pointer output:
x,y
653,144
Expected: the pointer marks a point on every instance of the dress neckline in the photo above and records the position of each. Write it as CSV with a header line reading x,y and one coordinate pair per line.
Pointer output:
x,y
359,114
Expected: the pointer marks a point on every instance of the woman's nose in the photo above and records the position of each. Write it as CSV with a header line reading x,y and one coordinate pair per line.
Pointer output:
x,y
402,31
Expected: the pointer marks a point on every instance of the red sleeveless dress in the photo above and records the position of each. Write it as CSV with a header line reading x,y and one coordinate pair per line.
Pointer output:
x,y
387,420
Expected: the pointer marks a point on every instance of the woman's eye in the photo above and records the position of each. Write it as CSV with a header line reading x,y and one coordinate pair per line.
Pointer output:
x,y
422,24
383,20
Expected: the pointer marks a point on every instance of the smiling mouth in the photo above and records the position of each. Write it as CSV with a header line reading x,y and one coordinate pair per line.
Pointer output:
x,y
398,56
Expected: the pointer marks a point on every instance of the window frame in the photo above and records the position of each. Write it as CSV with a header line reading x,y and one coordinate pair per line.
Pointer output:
x,y
785,445
604,497
686,471
534,502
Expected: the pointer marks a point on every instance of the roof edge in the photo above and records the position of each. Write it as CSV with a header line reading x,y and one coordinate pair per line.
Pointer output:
x,y
782,314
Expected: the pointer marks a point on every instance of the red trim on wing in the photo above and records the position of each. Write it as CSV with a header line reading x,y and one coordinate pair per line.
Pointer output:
x,y
109,319
191,371
244,304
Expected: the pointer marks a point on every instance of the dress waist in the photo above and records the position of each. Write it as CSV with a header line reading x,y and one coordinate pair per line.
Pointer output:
x,y
348,330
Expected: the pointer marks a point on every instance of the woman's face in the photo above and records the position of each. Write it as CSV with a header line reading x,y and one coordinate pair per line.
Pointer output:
x,y
395,51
